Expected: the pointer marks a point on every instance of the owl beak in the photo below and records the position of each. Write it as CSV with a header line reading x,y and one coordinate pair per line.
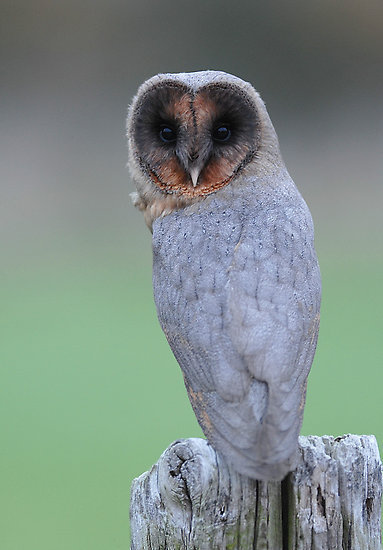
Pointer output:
x,y
194,172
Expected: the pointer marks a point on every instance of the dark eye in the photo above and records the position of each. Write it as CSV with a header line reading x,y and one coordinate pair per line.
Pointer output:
x,y
167,134
221,133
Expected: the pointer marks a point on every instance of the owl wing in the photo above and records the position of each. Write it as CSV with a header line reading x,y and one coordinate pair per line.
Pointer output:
x,y
273,303
239,307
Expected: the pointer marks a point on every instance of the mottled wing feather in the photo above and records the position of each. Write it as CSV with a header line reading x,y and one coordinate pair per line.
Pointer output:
x,y
274,318
237,292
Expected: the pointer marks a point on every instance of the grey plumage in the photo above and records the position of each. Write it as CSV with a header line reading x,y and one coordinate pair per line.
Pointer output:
x,y
237,289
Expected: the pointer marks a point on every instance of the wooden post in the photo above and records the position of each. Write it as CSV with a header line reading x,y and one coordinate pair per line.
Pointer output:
x,y
192,500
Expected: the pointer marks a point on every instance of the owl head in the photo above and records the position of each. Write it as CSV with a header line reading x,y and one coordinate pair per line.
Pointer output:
x,y
192,134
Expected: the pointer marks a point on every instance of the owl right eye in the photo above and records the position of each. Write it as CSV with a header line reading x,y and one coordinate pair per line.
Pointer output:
x,y
167,134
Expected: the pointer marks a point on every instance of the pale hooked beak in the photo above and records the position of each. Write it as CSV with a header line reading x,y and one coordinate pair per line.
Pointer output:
x,y
194,172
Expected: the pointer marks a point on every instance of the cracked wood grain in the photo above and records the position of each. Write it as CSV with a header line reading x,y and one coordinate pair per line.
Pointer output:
x,y
192,500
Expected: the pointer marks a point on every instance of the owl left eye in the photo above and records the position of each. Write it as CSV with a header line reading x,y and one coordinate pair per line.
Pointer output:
x,y
221,133
167,134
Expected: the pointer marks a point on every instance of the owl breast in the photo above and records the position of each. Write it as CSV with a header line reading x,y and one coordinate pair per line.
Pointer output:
x,y
237,289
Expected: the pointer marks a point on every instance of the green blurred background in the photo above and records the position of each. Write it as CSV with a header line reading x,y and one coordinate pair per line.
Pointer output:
x,y
90,392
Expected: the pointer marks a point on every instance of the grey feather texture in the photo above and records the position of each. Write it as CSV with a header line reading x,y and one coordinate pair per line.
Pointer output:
x,y
237,288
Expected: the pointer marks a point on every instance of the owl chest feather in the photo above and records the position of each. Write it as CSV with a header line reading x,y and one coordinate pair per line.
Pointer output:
x,y
216,267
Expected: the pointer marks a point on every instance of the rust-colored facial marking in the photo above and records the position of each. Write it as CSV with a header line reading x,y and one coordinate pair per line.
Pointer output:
x,y
192,144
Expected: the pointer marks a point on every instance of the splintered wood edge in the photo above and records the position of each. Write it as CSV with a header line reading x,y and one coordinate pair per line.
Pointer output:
x,y
192,499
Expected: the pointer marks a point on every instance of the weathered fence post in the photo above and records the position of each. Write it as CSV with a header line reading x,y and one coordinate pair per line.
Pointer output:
x,y
192,500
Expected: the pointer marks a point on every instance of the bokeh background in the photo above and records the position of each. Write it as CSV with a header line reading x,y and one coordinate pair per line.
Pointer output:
x,y
90,392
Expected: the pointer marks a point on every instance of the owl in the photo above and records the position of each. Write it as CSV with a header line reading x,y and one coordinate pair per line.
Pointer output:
x,y
235,274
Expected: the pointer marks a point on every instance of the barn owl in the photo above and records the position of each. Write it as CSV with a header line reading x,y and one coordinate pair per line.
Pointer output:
x,y
235,274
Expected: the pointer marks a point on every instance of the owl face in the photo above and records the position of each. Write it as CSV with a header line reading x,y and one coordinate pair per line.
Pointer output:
x,y
193,142
191,134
